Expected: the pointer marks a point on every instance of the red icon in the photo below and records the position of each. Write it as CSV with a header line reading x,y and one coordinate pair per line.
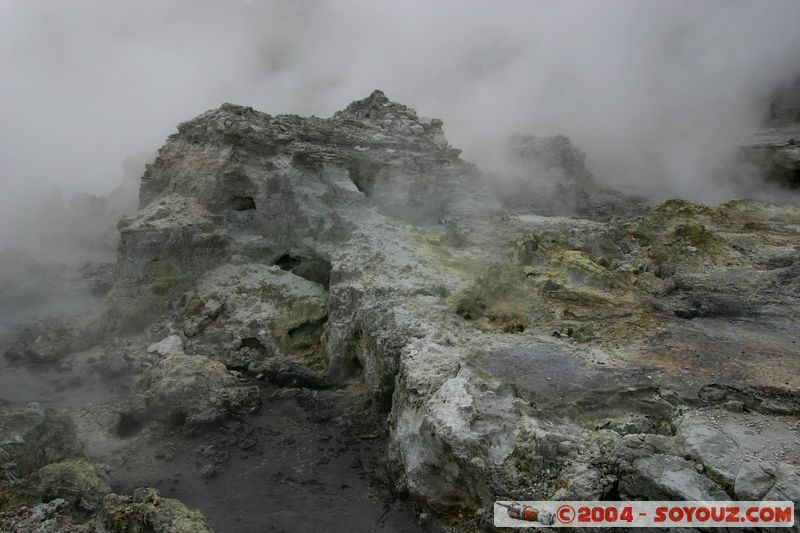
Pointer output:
x,y
565,514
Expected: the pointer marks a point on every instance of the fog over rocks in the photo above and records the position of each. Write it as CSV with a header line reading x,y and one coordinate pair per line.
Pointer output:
x,y
655,94
358,310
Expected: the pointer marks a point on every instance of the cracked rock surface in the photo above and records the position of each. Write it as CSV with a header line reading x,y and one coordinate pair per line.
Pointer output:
x,y
598,348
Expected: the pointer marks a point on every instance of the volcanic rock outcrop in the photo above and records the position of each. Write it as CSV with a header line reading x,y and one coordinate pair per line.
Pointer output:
x,y
509,347
516,353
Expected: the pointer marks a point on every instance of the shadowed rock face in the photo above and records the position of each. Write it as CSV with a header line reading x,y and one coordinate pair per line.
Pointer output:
x,y
515,353
776,155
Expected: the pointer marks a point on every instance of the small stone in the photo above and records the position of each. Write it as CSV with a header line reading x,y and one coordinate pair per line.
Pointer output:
x,y
171,344
213,308
208,471
247,443
564,447
734,406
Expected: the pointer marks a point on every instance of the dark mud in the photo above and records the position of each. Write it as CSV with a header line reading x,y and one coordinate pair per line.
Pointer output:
x,y
305,462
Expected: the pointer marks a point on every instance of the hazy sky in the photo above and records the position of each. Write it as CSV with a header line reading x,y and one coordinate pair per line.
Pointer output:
x,y
652,91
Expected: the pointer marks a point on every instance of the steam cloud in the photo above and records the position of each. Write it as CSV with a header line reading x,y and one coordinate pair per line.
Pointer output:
x,y
654,92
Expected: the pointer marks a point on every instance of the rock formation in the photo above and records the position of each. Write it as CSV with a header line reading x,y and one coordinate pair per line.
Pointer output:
x,y
515,352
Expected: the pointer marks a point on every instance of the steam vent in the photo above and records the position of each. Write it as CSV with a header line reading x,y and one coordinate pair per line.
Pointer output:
x,y
338,324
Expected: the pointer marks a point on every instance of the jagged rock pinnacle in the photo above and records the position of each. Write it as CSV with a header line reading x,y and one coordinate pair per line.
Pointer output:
x,y
376,106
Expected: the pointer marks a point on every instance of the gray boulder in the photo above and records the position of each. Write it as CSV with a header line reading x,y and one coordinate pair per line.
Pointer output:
x,y
191,391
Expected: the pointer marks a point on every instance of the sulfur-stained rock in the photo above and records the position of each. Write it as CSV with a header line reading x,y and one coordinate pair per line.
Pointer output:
x,y
76,481
146,511
191,390
245,314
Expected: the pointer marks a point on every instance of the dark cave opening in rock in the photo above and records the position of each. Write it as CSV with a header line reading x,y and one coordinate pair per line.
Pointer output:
x,y
612,493
306,162
784,177
306,327
362,173
241,203
311,268
177,418
254,344
128,426
287,262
